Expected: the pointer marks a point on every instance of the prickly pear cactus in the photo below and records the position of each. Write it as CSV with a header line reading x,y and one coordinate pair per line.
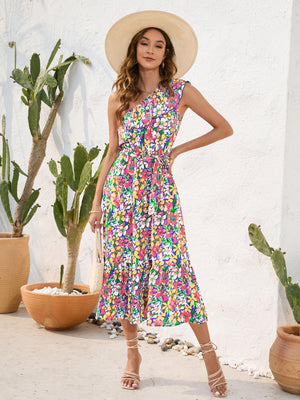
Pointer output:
x,y
71,222
38,86
277,257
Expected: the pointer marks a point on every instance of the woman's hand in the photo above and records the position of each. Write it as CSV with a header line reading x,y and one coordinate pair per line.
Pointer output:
x,y
95,219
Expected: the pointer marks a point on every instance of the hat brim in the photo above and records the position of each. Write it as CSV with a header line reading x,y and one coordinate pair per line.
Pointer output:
x,y
180,32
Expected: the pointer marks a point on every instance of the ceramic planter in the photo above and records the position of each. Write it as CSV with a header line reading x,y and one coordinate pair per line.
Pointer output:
x,y
58,311
284,358
14,270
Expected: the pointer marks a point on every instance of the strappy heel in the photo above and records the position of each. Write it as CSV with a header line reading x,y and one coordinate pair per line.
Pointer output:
x,y
214,380
129,374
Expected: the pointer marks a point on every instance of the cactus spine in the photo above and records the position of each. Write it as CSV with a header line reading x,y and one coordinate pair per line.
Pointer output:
x,y
277,257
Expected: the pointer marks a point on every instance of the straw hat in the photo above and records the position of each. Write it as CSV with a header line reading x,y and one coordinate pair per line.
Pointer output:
x,y
180,32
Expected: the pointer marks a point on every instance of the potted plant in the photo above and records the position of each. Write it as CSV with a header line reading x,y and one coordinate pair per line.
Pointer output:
x,y
38,86
51,310
284,356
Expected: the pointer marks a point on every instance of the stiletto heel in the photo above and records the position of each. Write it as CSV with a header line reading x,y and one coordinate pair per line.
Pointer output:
x,y
131,375
213,379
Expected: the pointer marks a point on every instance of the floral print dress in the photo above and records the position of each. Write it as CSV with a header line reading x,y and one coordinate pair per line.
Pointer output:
x,y
147,270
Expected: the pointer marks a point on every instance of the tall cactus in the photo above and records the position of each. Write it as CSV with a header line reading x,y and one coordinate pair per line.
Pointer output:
x,y
277,257
71,223
37,87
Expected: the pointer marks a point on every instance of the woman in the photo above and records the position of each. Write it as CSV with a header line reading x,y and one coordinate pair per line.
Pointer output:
x,y
147,274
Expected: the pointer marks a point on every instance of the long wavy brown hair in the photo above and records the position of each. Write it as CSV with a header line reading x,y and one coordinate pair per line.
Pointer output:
x,y
127,79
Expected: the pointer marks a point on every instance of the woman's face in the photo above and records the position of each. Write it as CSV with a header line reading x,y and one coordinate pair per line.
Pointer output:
x,y
150,49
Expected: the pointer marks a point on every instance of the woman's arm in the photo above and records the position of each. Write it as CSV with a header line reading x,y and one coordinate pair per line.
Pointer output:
x,y
109,159
193,99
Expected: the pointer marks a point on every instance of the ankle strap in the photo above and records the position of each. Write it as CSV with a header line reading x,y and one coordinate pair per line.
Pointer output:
x,y
210,344
134,346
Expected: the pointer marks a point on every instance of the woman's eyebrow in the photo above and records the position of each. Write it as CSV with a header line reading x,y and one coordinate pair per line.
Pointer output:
x,y
145,37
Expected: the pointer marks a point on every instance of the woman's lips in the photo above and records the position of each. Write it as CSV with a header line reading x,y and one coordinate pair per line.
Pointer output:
x,y
148,58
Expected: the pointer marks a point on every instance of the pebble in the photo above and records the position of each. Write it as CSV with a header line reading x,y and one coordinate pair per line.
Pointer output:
x,y
151,341
164,347
189,344
151,336
193,350
113,336
114,329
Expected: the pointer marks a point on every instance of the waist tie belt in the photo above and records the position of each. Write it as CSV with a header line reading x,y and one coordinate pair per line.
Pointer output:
x,y
160,164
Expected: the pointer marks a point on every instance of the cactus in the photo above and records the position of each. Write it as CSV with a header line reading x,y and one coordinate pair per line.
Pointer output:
x,y
292,290
38,86
71,223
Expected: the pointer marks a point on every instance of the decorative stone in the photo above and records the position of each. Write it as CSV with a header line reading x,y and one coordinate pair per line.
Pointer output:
x,y
113,336
193,350
189,344
140,329
151,336
164,347
150,341
140,336
169,341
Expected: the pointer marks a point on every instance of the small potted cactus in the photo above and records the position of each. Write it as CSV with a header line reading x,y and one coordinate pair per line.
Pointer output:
x,y
51,310
284,356
39,87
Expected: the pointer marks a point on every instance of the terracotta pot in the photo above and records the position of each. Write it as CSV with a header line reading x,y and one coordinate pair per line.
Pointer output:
x,y
284,358
57,311
14,270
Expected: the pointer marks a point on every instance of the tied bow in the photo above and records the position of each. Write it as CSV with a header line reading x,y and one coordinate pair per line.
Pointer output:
x,y
160,163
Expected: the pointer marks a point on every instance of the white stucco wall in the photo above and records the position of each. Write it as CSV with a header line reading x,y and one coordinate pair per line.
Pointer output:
x,y
242,69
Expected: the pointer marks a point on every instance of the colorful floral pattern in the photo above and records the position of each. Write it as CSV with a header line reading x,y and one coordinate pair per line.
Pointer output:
x,y
147,270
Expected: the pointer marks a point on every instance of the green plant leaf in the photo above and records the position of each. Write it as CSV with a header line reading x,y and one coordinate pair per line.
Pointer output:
x,y
33,117
5,200
58,216
31,214
86,204
62,71
45,99
50,81
279,265
35,67
258,240
21,78
93,153
85,60
24,100
67,171
80,158
19,168
85,176
30,201
14,184
53,167
53,53
40,82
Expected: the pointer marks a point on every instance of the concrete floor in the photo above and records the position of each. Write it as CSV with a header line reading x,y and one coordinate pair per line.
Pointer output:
x,y
84,363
